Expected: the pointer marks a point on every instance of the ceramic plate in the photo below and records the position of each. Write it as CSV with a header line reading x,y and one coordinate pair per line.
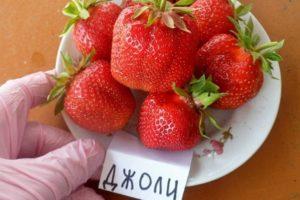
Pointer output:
x,y
250,124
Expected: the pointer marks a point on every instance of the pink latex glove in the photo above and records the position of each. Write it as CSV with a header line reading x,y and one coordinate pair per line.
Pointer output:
x,y
38,161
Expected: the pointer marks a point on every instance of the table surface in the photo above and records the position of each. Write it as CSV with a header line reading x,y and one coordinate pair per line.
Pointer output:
x,y
29,41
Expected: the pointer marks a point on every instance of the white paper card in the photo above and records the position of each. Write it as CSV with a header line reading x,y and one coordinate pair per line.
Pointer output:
x,y
133,170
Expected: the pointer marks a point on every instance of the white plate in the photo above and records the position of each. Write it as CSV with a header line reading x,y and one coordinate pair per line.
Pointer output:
x,y
250,124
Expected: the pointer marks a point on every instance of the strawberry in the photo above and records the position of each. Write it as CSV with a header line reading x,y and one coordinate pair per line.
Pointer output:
x,y
212,17
91,97
168,122
154,46
236,65
174,120
93,25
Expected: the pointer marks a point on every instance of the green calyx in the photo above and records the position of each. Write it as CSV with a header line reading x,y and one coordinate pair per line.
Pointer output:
x,y
266,53
169,14
202,93
63,80
78,9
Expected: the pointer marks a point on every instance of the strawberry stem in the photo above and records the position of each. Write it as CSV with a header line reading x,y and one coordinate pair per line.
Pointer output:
x,y
202,129
163,5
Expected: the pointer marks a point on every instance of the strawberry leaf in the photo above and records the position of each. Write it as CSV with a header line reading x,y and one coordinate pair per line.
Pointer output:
x,y
62,79
89,57
169,6
152,18
249,28
276,47
55,92
84,14
68,26
270,46
85,61
207,98
213,121
71,10
168,20
201,126
89,3
235,23
183,10
233,2
77,9
157,3
201,85
162,4
179,91
255,56
273,56
138,12
204,91
68,64
60,104
243,10
145,1
248,40
255,40
179,22
169,14
82,11
196,85
266,66
184,2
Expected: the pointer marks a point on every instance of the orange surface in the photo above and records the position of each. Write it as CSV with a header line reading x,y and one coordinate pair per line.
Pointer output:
x,y
29,41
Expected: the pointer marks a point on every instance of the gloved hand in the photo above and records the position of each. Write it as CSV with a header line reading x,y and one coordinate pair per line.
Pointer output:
x,y
38,161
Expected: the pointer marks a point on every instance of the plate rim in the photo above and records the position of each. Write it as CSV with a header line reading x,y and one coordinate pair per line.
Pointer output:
x,y
194,182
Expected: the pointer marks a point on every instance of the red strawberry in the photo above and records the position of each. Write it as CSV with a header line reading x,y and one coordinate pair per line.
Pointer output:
x,y
152,47
92,98
234,71
168,122
176,120
212,18
236,65
94,24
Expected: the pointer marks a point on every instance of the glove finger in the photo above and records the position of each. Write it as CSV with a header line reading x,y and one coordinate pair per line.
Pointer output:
x,y
40,139
16,99
55,175
84,193
96,175
33,88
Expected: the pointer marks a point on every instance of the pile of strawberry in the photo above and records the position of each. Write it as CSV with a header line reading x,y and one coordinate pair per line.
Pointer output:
x,y
187,55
